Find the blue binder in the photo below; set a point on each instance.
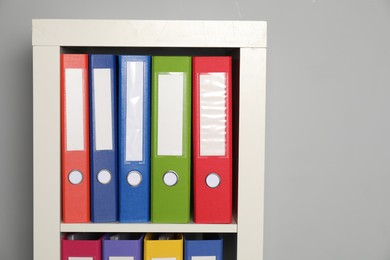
(134, 138)
(103, 107)
(203, 247)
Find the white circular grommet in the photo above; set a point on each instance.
(213, 180)
(170, 178)
(75, 177)
(134, 178)
(104, 176)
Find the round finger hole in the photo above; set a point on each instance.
(170, 178)
(213, 180)
(104, 176)
(75, 177)
(134, 178)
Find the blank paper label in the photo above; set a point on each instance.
(163, 258)
(80, 258)
(170, 114)
(103, 109)
(74, 109)
(134, 111)
(203, 258)
(121, 258)
(213, 114)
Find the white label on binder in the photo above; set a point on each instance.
(163, 258)
(74, 110)
(203, 258)
(212, 114)
(103, 109)
(134, 110)
(121, 258)
(170, 114)
(80, 258)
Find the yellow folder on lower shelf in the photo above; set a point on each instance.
(163, 246)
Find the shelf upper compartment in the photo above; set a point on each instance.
(149, 33)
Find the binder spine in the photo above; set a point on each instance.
(104, 180)
(134, 138)
(171, 168)
(75, 158)
(212, 135)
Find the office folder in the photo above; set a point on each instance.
(163, 246)
(103, 114)
(123, 246)
(81, 246)
(134, 138)
(171, 143)
(212, 139)
(203, 247)
(75, 138)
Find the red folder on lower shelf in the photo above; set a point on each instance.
(81, 246)
(75, 138)
(212, 139)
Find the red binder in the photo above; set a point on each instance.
(212, 139)
(81, 246)
(75, 138)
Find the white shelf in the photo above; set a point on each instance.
(248, 41)
(143, 33)
(150, 227)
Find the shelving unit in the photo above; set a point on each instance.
(244, 40)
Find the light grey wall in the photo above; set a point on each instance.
(328, 118)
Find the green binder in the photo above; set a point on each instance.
(171, 139)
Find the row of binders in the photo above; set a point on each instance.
(151, 246)
(140, 133)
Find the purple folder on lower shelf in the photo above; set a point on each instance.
(123, 246)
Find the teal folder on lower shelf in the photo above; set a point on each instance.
(203, 247)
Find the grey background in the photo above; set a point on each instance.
(328, 133)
